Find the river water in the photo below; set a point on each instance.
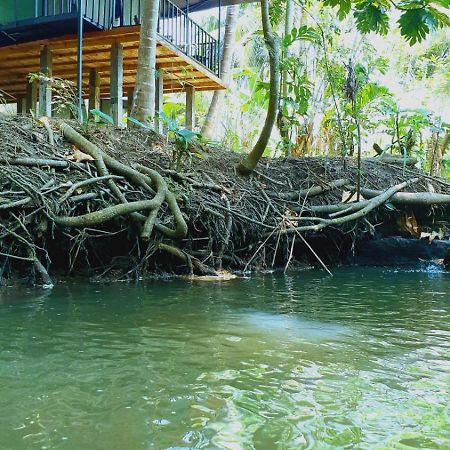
(359, 360)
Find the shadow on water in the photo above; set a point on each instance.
(358, 360)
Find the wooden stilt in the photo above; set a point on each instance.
(45, 86)
(31, 97)
(105, 105)
(21, 106)
(94, 89)
(190, 107)
(117, 83)
(159, 101)
(130, 96)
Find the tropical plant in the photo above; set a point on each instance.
(415, 22)
(183, 137)
(248, 164)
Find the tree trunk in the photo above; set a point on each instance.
(248, 164)
(437, 167)
(144, 94)
(225, 71)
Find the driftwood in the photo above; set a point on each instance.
(34, 162)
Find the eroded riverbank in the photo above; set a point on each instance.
(123, 204)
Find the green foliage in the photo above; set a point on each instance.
(303, 33)
(276, 11)
(343, 7)
(183, 138)
(139, 124)
(257, 92)
(416, 23)
(64, 95)
(417, 20)
(105, 118)
(371, 16)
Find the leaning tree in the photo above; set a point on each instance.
(415, 22)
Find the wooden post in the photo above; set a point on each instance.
(117, 83)
(159, 101)
(190, 107)
(130, 96)
(31, 97)
(45, 87)
(94, 89)
(105, 105)
(21, 106)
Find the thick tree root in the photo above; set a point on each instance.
(120, 211)
(363, 211)
(149, 179)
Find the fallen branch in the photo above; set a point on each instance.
(34, 162)
(85, 183)
(393, 159)
(412, 198)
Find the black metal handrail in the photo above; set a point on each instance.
(16, 12)
(174, 25)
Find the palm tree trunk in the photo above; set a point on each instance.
(225, 71)
(144, 94)
(247, 165)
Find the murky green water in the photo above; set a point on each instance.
(360, 360)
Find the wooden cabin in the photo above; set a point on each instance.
(42, 36)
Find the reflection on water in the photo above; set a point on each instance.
(360, 360)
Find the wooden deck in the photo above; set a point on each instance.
(180, 71)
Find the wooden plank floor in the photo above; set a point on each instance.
(17, 61)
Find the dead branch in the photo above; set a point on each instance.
(313, 190)
(412, 198)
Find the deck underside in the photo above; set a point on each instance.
(17, 61)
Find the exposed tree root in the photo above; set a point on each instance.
(363, 211)
(123, 211)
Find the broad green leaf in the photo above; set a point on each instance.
(138, 123)
(416, 23)
(344, 6)
(171, 122)
(371, 17)
(188, 135)
(101, 115)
